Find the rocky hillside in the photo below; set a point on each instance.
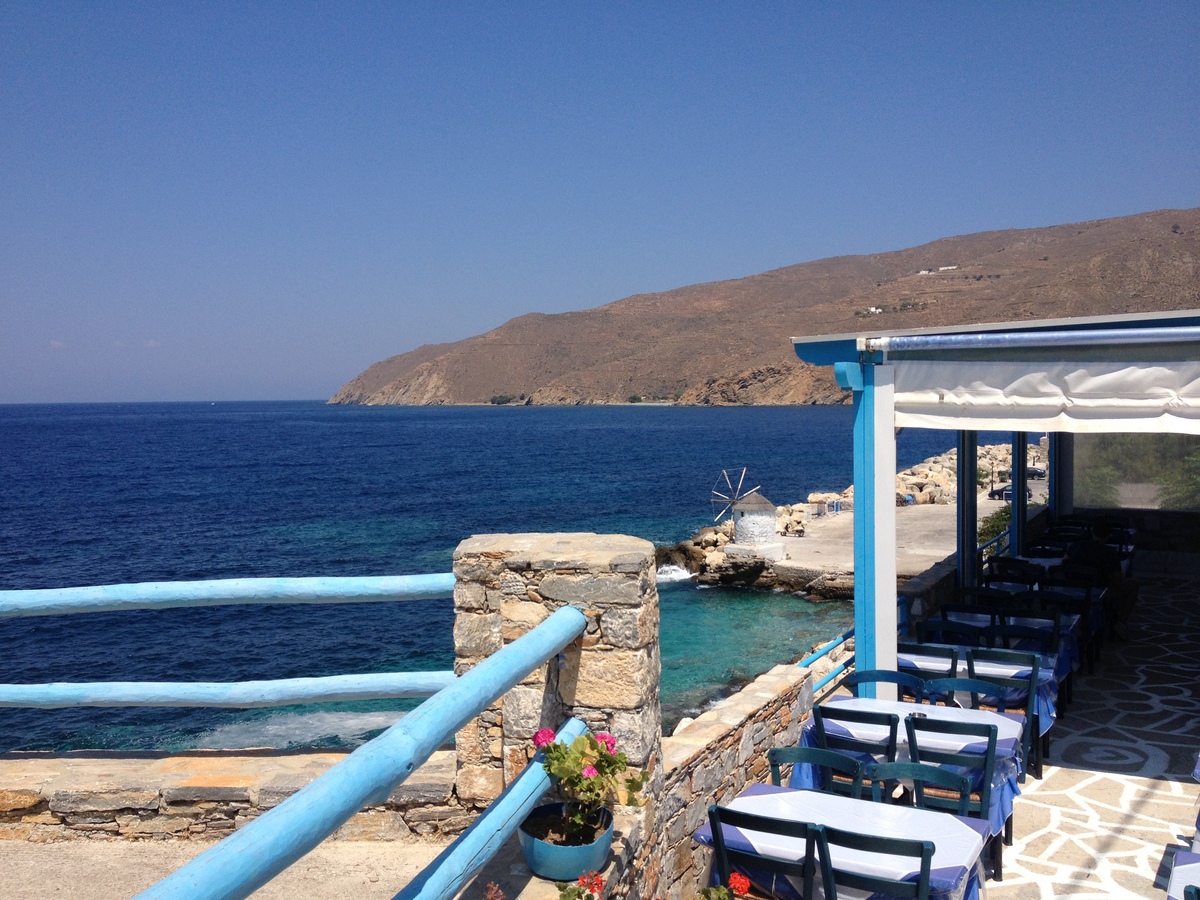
(727, 342)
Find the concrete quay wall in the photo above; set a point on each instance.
(200, 795)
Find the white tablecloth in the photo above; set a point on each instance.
(1185, 871)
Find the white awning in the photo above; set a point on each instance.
(1041, 396)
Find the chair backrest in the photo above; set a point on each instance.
(1022, 637)
(908, 685)
(1048, 548)
(1066, 604)
(826, 762)
(847, 732)
(979, 766)
(1085, 578)
(1018, 689)
(948, 611)
(884, 776)
(726, 856)
(835, 875)
(981, 691)
(1191, 892)
(1010, 570)
(980, 596)
(947, 652)
(941, 631)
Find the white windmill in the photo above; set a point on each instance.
(725, 495)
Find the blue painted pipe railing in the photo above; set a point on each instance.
(224, 592)
(239, 695)
(249, 858)
(902, 603)
(455, 865)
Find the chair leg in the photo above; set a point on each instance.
(997, 847)
(1008, 830)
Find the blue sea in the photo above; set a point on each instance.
(112, 493)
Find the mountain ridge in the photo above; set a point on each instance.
(728, 342)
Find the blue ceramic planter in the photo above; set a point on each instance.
(560, 863)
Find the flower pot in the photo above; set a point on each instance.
(559, 862)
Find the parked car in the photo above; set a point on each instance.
(1004, 492)
(1035, 472)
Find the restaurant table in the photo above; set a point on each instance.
(956, 872)
(1009, 729)
(1184, 871)
(1068, 657)
(1046, 703)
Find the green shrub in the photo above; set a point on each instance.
(502, 399)
(995, 524)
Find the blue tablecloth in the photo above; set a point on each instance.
(957, 869)
(1005, 777)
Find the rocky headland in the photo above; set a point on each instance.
(708, 556)
(727, 342)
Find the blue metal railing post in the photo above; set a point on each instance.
(251, 857)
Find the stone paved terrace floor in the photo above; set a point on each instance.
(1118, 798)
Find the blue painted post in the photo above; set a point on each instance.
(874, 512)
(455, 865)
(224, 592)
(238, 695)
(251, 857)
(1020, 504)
(968, 509)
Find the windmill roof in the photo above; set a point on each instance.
(755, 501)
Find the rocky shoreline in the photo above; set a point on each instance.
(707, 553)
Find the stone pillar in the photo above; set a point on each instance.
(506, 585)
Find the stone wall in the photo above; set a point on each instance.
(200, 795)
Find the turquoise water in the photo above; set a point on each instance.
(725, 637)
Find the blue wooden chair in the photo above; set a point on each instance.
(834, 878)
(1022, 637)
(866, 750)
(763, 870)
(984, 694)
(885, 776)
(1020, 696)
(980, 768)
(908, 685)
(943, 631)
(828, 765)
(1010, 570)
(947, 652)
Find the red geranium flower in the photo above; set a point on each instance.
(542, 737)
(593, 882)
(738, 883)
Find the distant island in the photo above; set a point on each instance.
(727, 342)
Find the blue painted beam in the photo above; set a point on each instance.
(224, 592)
(456, 865)
(249, 858)
(238, 695)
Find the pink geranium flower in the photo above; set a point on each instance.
(589, 772)
(543, 737)
(608, 741)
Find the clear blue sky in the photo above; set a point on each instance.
(207, 201)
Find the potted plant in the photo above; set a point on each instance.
(563, 840)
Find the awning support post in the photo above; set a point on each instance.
(874, 511)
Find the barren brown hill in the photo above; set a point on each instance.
(727, 342)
